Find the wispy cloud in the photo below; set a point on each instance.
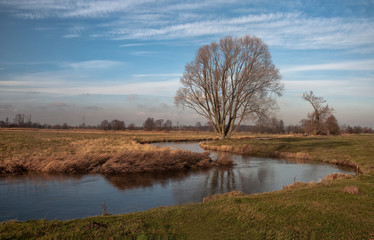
(94, 64)
(149, 19)
(38, 9)
(161, 88)
(75, 83)
(362, 65)
(74, 31)
(14, 83)
(143, 53)
(132, 45)
(347, 87)
(158, 75)
(290, 30)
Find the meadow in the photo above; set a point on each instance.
(338, 207)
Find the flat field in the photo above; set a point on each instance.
(339, 207)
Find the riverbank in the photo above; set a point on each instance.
(330, 209)
(354, 151)
(83, 152)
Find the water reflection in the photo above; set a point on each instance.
(65, 197)
(144, 180)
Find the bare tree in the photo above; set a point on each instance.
(104, 125)
(158, 124)
(149, 124)
(132, 126)
(117, 125)
(320, 113)
(168, 124)
(198, 126)
(332, 125)
(230, 81)
(19, 120)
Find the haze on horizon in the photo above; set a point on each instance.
(64, 60)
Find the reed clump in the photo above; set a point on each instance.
(107, 156)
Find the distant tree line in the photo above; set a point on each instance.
(113, 125)
(159, 124)
(328, 126)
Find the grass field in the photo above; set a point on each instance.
(331, 209)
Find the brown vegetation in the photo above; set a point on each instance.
(106, 156)
(352, 190)
(219, 196)
(336, 176)
(295, 185)
(326, 181)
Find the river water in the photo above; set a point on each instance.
(66, 197)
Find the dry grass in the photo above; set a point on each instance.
(336, 176)
(123, 162)
(352, 190)
(224, 195)
(295, 185)
(96, 153)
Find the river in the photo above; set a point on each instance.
(66, 197)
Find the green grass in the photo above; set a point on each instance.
(306, 211)
(351, 149)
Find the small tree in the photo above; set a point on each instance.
(168, 125)
(158, 124)
(229, 82)
(19, 120)
(320, 113)
(149, 124)
(117, 125)
(332, 125)
(198, 126)
(132, 126)
(307, 125)
(104, 125)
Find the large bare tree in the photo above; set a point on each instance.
(230, 81)
(320, 113)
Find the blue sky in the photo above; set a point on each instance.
(64, 59)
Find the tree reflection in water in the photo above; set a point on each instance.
(144, 180)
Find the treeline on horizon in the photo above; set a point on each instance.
(270, 126)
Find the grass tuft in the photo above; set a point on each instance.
(351, 190)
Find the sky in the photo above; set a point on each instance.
(69, 61)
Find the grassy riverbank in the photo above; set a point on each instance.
(331, 209)
(350, 150)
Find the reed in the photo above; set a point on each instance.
(106, 156)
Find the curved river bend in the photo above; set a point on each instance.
(67, 197)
